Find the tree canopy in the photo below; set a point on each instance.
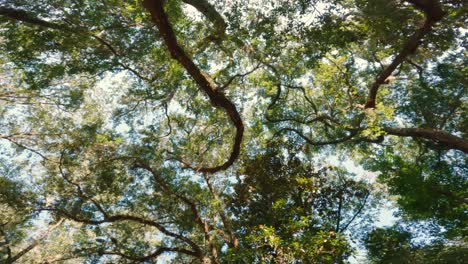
(233, 131)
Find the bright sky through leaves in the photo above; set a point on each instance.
(212, 131)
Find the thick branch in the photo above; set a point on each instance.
(448, 140)
(212, 15)
(431, 8)
(437, 135)
(24, 16)
(217, 98)
(433, 12)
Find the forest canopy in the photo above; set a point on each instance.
(233, 131)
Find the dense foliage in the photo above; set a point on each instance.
(240, 131)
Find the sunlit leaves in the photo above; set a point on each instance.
(113, 131)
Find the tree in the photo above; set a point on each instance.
(288, 212)
(191, 131)
(394, 245)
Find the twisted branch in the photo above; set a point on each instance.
(434, 13)
(216, 97)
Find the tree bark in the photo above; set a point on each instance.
(437, 135)
(212, 15)
(20, 15)
(216, 97)
(433, 12)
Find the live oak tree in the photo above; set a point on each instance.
(193, 131)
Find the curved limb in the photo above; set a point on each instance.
(216, 97)
(433, 12)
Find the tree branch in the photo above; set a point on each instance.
(213, 16)
(204, 226)
(153, 255)
(233, 240)
(352, 134)
(239, 75)
(122, 217)
(356, 214)
(34, 243)
(216, 97)
(437, 135)
(433, 12)
(23, 16)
